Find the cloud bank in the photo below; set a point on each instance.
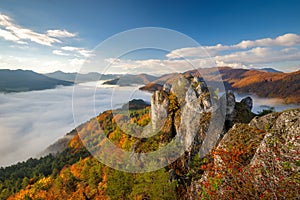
(60, 33)
(31, 121)
(286, 40)
(81, 51)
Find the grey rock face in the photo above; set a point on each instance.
(167, 87)
(227, 103)
(288, 122)
(237, 112)
(248, 102)
(280, 146)
(264, 122)
(230, 99)
(179, 88)
(193, 98)
(230, 102)
(194, 101)
(159, 109)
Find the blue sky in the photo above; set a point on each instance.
(45, 36)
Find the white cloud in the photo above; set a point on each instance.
(289, 50)
(41, 65)
(18, 33)
(4, 20)
(22, 42)
(179, 60)
(81, 51)
(13, 32)
(76, 62)
(202, 51)
(156, 66)
(112, 60)
(60, 33)
(8, 35)
(249, 58)
(68, 48)
(247, 52)
(259, 55)
(59, 52)
(288, 39)
(27, 34)
(233, 64)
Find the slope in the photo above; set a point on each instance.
(25, 80)
(78, 77)
(129, 79)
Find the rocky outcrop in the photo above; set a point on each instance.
(184, 100)
(159, 109)
(187, 101)
(198, 119)
(238, 112)
(248, 103)
(268, 149)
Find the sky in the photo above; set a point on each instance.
(46, 36)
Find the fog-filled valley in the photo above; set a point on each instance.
(31, 121)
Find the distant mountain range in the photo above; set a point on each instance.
(129, 79)
(285, 86)
(25, 80)
(79, 78)
(266, 82)
(268, 70)
(275, 84)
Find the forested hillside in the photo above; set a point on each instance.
(284, 86)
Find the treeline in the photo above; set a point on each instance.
(17, 177)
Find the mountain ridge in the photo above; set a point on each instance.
(27, 80)
(79, 77)
(284, 86)
(267, 69)
(129, 79)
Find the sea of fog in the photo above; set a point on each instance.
(31, 121)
